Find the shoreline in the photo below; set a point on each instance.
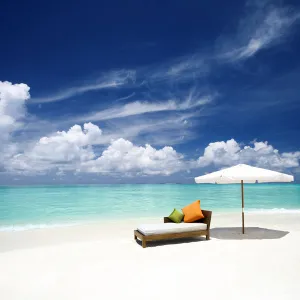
(20, 227)
(108, 229)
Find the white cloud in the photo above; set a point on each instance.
(63, 149)
(184, 68)
(73, 151)
(12, 113)
(220, 153)
(12, 104)
(139, 108)
(195, 99)
(124, 157)
(130, 109)
(110, 80)
(261, 154)
(125, 97)
(266, 26)
(90, 134)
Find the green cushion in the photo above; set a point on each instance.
(176, 216)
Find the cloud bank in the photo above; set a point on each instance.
(76, 151)
(73, 151)
(261, 154)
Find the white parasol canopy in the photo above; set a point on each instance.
(244, 174)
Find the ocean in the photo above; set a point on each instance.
(30, 207)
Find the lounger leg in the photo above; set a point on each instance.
(207, 236)
(135, 237)
(143, 243)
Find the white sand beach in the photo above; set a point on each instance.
(103, 261)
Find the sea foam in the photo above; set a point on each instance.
(272, 211)
(35, 226)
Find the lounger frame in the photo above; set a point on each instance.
(167, 236)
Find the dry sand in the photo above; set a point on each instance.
(103, 261)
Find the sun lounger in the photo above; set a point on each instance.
(170, 230)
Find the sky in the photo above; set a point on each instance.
(147, 91)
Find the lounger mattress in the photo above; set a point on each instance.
(150, 229)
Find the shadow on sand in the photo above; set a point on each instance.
(173, 242)
(226, 233)
(251, 233)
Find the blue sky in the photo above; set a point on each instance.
(147, 91)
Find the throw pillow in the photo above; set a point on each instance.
(176, 216)
(192, 212)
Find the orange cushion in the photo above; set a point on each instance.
(192, 212)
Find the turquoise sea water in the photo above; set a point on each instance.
(41, 206)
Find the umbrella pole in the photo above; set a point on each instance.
(243, 217)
